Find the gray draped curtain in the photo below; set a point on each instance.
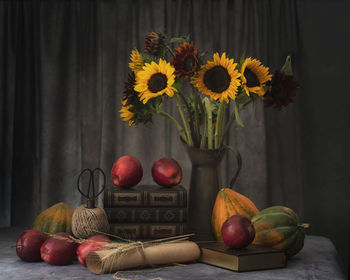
(63, 65)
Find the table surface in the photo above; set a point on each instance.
(317, 260)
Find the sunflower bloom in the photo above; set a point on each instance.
(254, 76)
(218, 78)
(154, 43)
(282, 89)
(136, 63)
(125, 114)
(155, 80)
(185, 60)
(130, 95)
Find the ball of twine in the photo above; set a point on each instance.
(85, 221)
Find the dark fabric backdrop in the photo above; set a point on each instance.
(62, 70)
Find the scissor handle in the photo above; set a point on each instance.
(91, 187)
(104, 181)
(78, 183)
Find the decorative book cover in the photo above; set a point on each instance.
(146, 215)
(145, 231)
(145, 196)
(252, 257)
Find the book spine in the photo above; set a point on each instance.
(146, 215)
(145, 199)
(144, 231)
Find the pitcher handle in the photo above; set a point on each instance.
(238, 157)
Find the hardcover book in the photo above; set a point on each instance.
(145, 196)
(145, 231)
(252, 257)
(146, 215)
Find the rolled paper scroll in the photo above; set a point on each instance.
(112, 260)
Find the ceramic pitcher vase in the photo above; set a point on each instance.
(204, 186)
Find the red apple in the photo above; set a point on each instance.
(28, 245)
(166, 172)
(58, 249)
(237, 232)
(92, 244)
(126, 172)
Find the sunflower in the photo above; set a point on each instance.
(155, 80)
(136, 61)
(254, 75)
(125, 114)
(218, 78)
(185, 60)
(282, 89)
(130, 95)
(154, 43)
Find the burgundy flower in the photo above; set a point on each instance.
(282, 89)
(185, 60)
(130, 95)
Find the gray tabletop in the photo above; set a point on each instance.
(317, 260)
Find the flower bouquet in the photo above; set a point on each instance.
(214, 83)
(210, 85)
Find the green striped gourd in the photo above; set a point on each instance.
(278, 227)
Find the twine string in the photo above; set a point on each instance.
(85, 221)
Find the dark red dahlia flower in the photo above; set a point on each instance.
(185, 60)
(282, 89)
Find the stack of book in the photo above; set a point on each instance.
(146, 212)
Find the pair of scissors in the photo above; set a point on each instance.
(91, 194)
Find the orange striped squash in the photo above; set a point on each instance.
(57, 218)
(229, 203)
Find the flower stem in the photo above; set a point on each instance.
(230, 121)
(204, 118)
(170, 50)
(188, 108)
(196, 115)
(210, 123)
(183, 117)
(219, 124)
(175, 122)
(227, 126)
(204, 135)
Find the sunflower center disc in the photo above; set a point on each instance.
(252, 79)
(189, 62)
(217, 79)
(157, 82)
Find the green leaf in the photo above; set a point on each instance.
(177, 84)
(146, 59)
(158, 104)
(238, 118)
(242, 98)
(241, 60)
(177, 40)
(287, 67)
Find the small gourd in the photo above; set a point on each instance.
(57, 218)
(88, 219)
(229, 202)
(279, 227)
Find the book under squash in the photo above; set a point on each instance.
(250, 258)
